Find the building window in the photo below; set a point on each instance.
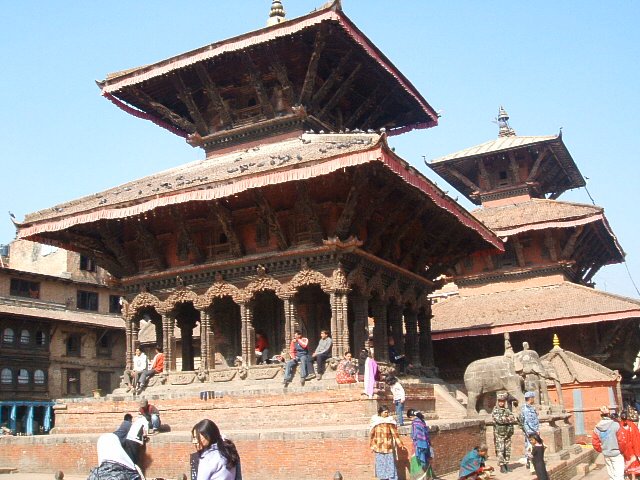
(73, 345)
(25, 336)
(103, 347)
(41, 338)
(104, 382)
(38, 377)
(73, 382)
(8, 335)
(114, 304)
(23, 376)
(24, 288)
(6, 377)
(87, 300)
(87, 264)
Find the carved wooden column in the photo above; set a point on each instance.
(339, 325)
(412, 341)
(129, 339)
(333, 300)
(394, 313)
(360, 308)
(169, 342)
(290, 319)
(248, 333)
(380, 342)
(206, 350)
(426, 344)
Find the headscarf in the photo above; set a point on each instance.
(378, 420)
(110, 449)
(471, 463)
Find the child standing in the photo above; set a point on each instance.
(398, 398)
(537, 456)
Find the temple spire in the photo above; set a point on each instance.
(503, 124)
(277, 13)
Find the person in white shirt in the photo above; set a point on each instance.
(140, 363)
(138, 434)
(398, 398)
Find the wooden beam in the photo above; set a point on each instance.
(519, 250)
(368, 123)
(463, 178)
(483, 174)
(94, 248)
(282, 75)
(335, 76)
(163, 111)
(256, 83)
(185, 95)
(513, 165)
(551, 246)
(343, 225)
(214, 96)
(363, 107)
(115, 243)
(404, 229)
(184, 234)
(149, 244)
(225, 217)
(390, 218)
(271, 218)
(346, 85)
(536, 165)
(570, 245)
(375, 201)
(306, 206)
(312, 68)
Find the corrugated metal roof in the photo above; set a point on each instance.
(497, 145)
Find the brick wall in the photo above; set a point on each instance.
(276, 455)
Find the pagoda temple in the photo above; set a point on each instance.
(542, 283)
(299, 215)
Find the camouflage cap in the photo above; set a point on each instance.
(502, 397)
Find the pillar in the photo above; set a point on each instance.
(206, 351)
(412, 341)
(248, 342)
(394, 313)
(168, 343)
(339, 324)
(290, 320)
(129, 343)
(380, 342)
(360, 309)
(426, 344)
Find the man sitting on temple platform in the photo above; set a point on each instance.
(394, 357)
(140, 364)
(323, 352)
(262, 348)
(157, 366)
(299, 352)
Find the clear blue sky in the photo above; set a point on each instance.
(572, 64)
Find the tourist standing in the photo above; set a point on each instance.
(630, 445)
(157, 366)
(383, 440)
(472, 466)
(113, 461)
(605, 439)
(299, 352)
(140, 364)
(399, 397)
(216, 457)
(322, 352)
(503, 422)
(136, 438)
(421, 443)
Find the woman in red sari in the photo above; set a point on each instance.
(630, 445)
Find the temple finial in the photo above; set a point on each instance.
(277, 13)
(556, 341)
(503, 124)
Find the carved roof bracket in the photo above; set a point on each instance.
(186, 97)
(225, 217)
(270, 217)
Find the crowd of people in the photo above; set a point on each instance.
(618, 439)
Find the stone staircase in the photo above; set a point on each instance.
(451, 401)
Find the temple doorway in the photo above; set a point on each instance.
(314, 313)
(149, 323)
(268, 319)
(226, 325)
(187, 319)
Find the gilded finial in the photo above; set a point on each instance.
(503, 124)
(556, 341)
(277, 13)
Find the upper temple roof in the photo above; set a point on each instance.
(319, 68)
(501, 144)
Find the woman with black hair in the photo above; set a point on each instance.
(216, 457)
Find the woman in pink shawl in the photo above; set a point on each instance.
(370, 374)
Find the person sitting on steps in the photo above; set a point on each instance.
(323, 352)
(299, 352)
(157, 366)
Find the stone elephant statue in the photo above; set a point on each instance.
(492, 374)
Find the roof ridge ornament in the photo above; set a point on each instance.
(503, 124)
(277, 13)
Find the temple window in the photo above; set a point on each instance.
(24, 288)
(103, 346)
(38, 377)
(8, 335)
(6, 377)
(87, 264)
(508, 258)
(73, 381)
(41, 338)
(114, 304)
(74, 345)
(25, 337)
(87, 301)
(23, 376)
(104, 381)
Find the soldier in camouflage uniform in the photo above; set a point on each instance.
(503, 422)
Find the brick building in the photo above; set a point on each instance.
(61, 333)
